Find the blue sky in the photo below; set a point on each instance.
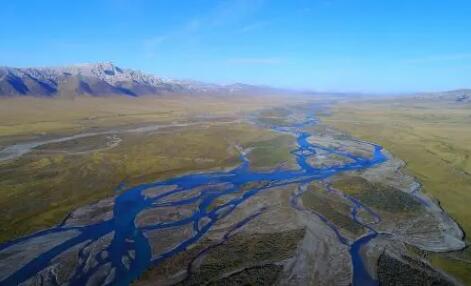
(341, 45)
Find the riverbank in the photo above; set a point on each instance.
(60, 154)
(432, 137)
(200, 226)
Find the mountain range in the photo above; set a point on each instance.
(105, 79)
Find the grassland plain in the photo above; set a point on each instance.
(433, 138)
(40, 188)
(26, 118)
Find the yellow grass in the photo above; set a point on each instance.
(434, 139)
(39, 189)
(22, 118)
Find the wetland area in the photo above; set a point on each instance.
(235, 142)
(269, 196)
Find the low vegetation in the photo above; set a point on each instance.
(39, 189)
(244, 251)
(433, 137)
(271, 153)
(32, 118)
(171, 266)
(332, 208)
(378, 196)
(250, 256)
(274, 117)
(256, 276)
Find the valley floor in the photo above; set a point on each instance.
(214, 191)
(433, 138)
(117, 141)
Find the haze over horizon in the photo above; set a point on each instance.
(367, 45)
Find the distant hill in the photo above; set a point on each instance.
(457, 96)
(460, 95)
(106, 79)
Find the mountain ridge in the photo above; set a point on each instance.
(107, 79)
(104, 79)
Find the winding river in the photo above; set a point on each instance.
(129, 202)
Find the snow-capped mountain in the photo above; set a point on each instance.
(100, 79)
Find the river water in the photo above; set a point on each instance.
(131, 201)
